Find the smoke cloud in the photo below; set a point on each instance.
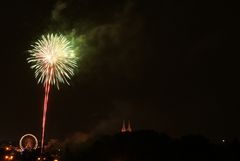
(59, 7)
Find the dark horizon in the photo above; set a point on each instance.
(144, 145)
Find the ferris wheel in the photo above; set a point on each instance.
(28, 142)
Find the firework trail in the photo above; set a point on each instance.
(53, 59)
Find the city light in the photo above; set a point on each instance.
(8, 157)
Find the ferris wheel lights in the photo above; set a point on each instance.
(33, 138)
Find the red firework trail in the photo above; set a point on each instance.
(45, 106)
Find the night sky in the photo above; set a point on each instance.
(166, 65)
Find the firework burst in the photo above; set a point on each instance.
(53, 59)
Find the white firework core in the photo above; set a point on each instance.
(53, 58)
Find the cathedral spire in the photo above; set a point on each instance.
(123, 127)
(129, 129)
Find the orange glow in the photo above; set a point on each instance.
(7, 148)
(8, 157)
(55, 160)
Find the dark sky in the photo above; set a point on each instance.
(166, 65)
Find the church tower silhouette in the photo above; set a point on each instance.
(128, 129)
(123, 127)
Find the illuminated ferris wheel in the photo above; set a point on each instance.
(28, 142)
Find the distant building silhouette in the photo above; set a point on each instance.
(123, 127)
(128, 129)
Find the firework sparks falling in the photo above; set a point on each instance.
(53, 59)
